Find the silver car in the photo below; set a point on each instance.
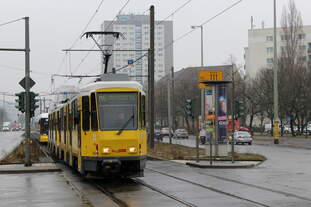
(243, 137)
(181, 133)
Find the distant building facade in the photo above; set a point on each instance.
(259, 53)
(136, 32)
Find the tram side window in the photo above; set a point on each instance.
(85, 113)
(76, 115)
(94, 113)
(143, 111)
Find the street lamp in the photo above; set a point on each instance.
(201, 27)
(202, 90)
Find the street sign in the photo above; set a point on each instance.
(130, 62)
(210, 75)
(23, 83)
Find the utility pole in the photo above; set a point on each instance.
(44, 109)
(102, 55)
(27, 89)
(275, 81)
(151, 78)
(169, 85)
(40, 104)
(173, 99)
(232, 115)
(3, 107)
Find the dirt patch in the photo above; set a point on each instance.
(173, 151)
(18, 155)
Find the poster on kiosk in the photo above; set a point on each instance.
(221, 114)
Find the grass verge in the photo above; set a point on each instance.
(179, 152)
(18, 155)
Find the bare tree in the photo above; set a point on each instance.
(293, 87)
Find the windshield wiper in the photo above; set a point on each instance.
(125, 124)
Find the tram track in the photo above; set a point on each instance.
(209, 188)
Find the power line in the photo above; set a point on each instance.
(175, 11)
(205, 22)
(77, 39)
(12, 21)
(113, 20)
(88, 24)
(125, 66)
(23, 70)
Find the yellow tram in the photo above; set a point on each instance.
(42, 126)
(102, 130)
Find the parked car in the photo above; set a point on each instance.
(243, 137)
(181, 133)
(165, 132)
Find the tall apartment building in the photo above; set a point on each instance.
(259, 53)
(136, 34)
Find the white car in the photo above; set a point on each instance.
(181, 133)
(242, 137)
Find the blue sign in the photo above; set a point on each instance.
(130, 62)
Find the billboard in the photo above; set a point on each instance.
(221, 115)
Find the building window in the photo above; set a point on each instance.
(269, 60)
(269, 50)
(309, 45)
(269, 38)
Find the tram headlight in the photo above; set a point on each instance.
(132, 149)
(106, 150)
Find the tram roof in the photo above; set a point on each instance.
(91, 87)
(109, 84)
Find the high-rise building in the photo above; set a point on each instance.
(259, 53)
(135, 31)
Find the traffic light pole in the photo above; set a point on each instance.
(27, 99)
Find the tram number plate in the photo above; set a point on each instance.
(210, 75)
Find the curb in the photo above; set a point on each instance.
(19, 169)
(221, 166)
(29, 171)
(152, 158)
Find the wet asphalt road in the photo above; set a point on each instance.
(282, 180)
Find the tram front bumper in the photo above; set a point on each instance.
(113, 164)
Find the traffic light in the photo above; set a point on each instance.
(33, 102)
(20, 101)
(188, 107)
(239, 109)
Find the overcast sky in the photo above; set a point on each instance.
(55, 25)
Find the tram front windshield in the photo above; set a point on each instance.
(44, 126)
(117, 111)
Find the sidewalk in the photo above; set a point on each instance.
(37, 190)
